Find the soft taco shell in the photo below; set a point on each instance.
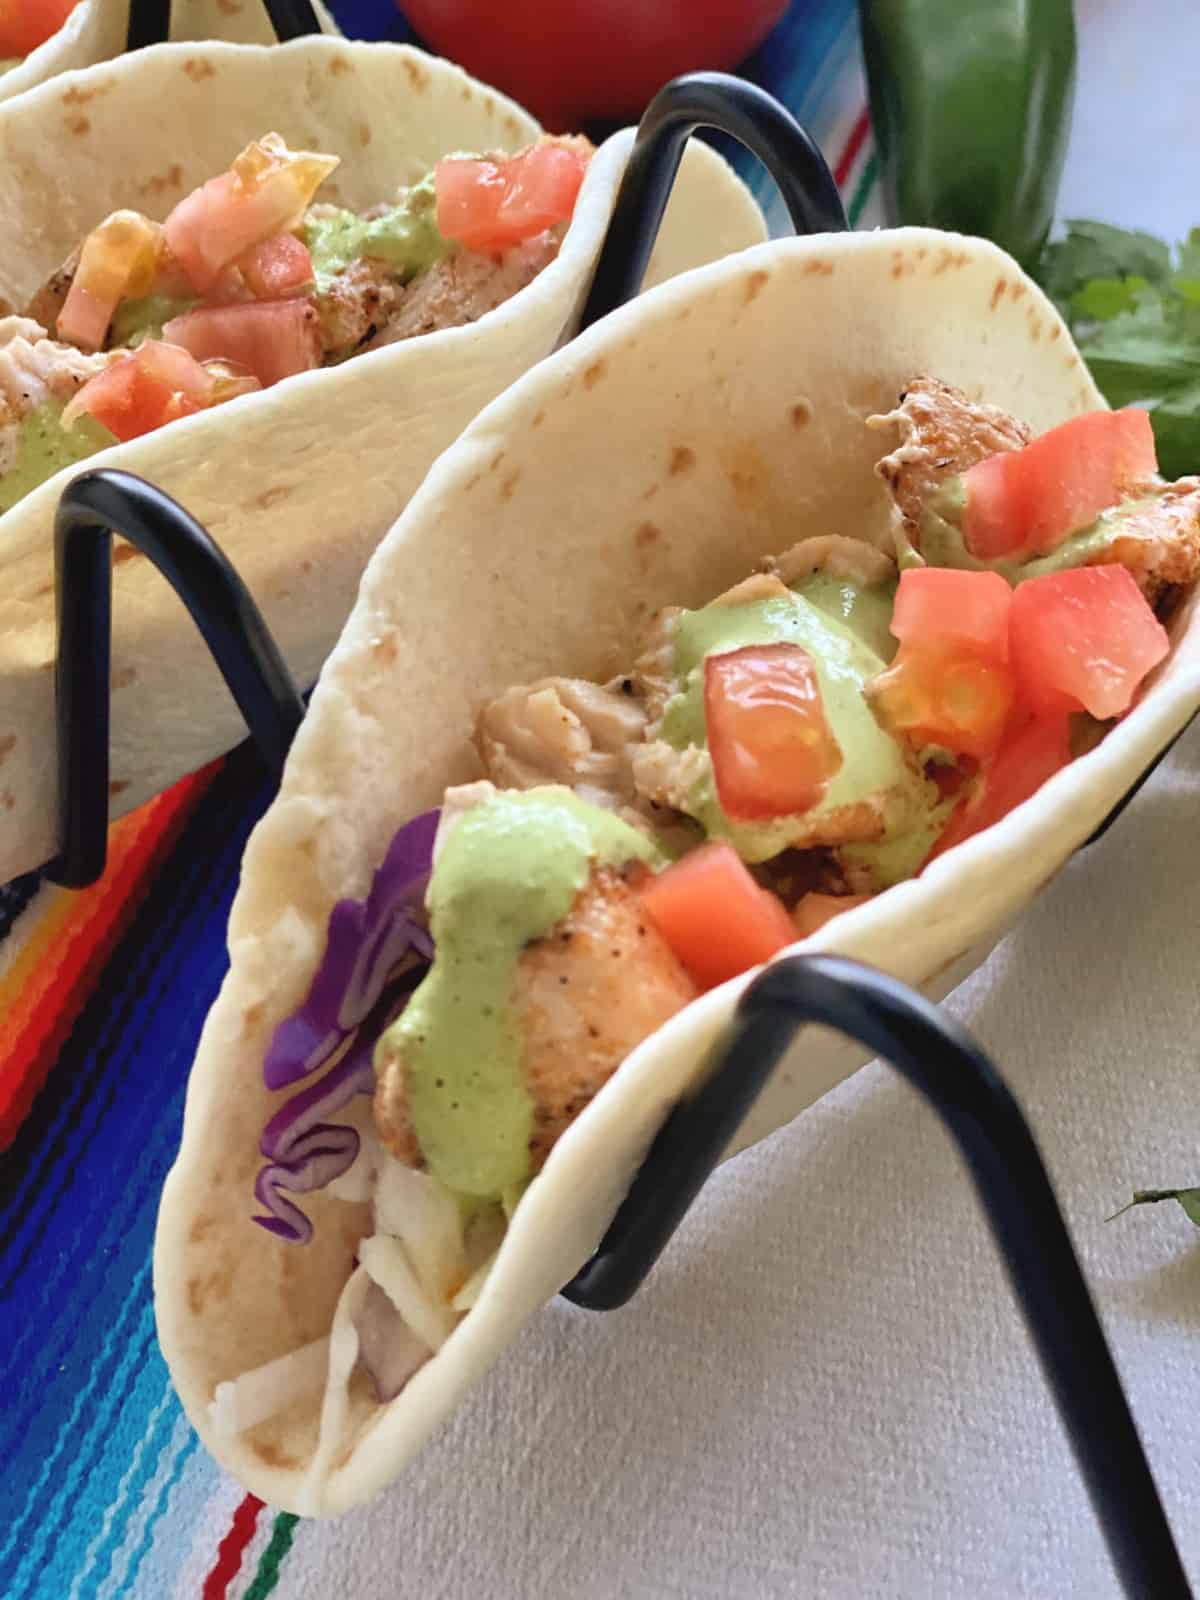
(298, 483)
(96, 30)
(650, 462)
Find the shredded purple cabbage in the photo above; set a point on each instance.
(355, 994)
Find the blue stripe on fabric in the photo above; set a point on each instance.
(124, 1069)
(186, 1450)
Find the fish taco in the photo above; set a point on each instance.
(279, 310)
(40, 38)
(813, 600)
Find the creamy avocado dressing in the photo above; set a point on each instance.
(405, 236)
(507, 871)
(44, 446)
(135, 320)
(874, 768)
(867, 612)
(943, 545)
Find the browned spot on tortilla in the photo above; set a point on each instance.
(229, 8)
(801, 414)
(538, 420)
(40, 594)
(1054, 332)
(1017, 290)
(898, 267)
(198, 70)
(272, 1456)
(754, 285)
(594, 373)
(646, 534)
(496, 460)
(214, 1285)
(948, 259)
(270, 497)
(998, 292)
(922, 252)
(80, 97)
(1035, 327)
(200, 1229)
(123, 677)
(7, 800)
(339, 66)
(7, 745)
(650, 492)
(252, 1016)
(466, 92)
(417, 74)
(682, 460)
(511, 124)
(364, 134)
(509, 484)
(170, 179)
(125, 552)
(385, 649)
(119, 787)
(472, 481)
(819, 267)
(78, 126)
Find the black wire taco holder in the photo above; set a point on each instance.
(936, 1056)
(150, 21)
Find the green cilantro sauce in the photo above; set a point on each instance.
(506, 873)
(874, 767)
(44, 446)
(867, 612)
(942, 543)
(135, 320)
(405, 236)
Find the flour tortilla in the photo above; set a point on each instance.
(300, 482)
(652, 461)
(97, 29)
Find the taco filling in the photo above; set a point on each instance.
(769, 760)
(251, 280)
(25, 26)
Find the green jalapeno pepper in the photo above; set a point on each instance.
(971, 107)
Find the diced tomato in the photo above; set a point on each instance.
(130, 397)
(491, 205)
(1031, 754)
(272, 339)
(1084, 639)
(960, 702)
(116, 262)
(716, 919)
(772, 750)
(26, 24)
(1031, 499)
(278, 267)
(940, 608)
(814, 910)
(266, 191)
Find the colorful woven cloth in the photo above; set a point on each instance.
(105, 1490)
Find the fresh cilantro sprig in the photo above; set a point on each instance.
(1189, 1199)
(1133, 306)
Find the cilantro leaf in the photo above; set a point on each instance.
(1189, 1199)
(1133, 307)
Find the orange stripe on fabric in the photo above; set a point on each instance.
(62, 953)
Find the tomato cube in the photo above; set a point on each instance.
(940, 608)
(272, 339)
(1033, 752)
(959, 702)
(1082, 640)
(279, 266)
(772, 750)
(717, 920)
(1030, 500)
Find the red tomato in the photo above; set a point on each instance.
(130, 398)
(25, 24)
(1030, 755)
(491, 205)
(1031, 499)
(772, 750)
(1084, 639)
(272, 339)
(279, 266)
(577, 60)
(938, 608)
(961, 702)
(714, 916)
